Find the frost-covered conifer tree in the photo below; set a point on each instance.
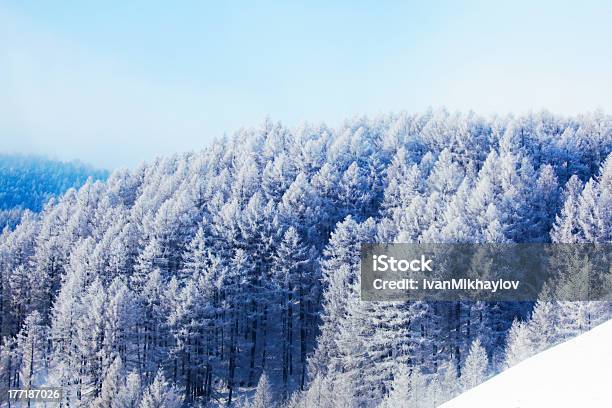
(519, 345)
(160, 394)
(110, 386)
(565, 229)
(32, 348)
(130, 392)
(476, 365)
(543, 327)
(263, 397)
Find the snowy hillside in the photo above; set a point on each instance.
(572, 374)
(191, 277)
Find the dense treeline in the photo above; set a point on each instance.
(202, 279)
(10, 218)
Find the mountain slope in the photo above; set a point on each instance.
(571, 374)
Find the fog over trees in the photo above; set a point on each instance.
(230, 277)
(27, 183)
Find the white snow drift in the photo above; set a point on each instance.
(571, 374)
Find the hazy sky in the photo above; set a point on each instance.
(116, 83)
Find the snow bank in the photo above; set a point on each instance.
(572, 374)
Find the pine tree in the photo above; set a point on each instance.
(263, 394)
(129, 394)
(160, 394)
(566, 229)
(542, 328)
(546, 200)
(110, 386)
(339, 275)
(446, 175)
(320, 393)
(89, 338)
(121, 317)
(590, 218)
(8, 365)
(474, 371)
(519, 345)
(152, 258)
(196, 258)
(447, 377)
(67, 311)
(290, 259)
(32, 348)
(399, 396)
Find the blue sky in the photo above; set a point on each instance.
(114, 84)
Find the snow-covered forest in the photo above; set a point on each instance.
(28, 182)
(230, 276)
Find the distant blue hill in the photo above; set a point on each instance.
(28, 182)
